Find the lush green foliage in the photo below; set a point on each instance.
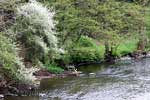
(33, 32)
(86, 50)
(84, 28)
(85, 55)
(110, 21)
(9, 61)
(142, 2)
(126, 48)
(86, 42)
(54, 68)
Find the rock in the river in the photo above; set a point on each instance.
(42, 95)
(1, 96)
(92, 74)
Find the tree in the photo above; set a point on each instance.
(111, 21)
(72, 21)
(118, 21)
(142, 2)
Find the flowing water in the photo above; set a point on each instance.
(125, 80)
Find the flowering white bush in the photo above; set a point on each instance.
(35, 26)
(39, 18)
(34, 30)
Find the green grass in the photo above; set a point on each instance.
(101, 49)
(89, 43)
(87, 50)
(54, 68)
(126, 47)
(123, 49)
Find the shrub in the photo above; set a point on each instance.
(85, 50)
(126, 47)
(66, 59)
(85, 41)
(83, 54)
(8, 4)
(9, 61)
(34, 29)
(53, 68)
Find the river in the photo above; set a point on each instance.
(125, 80)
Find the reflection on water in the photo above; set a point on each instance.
(125, 80)
(22, 98)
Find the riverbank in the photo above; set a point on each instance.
(111, 81)
(18, 89)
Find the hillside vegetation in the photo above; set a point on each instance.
(52, 34)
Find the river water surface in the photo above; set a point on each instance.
(125, 80)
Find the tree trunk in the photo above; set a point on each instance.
(141, 45)
(108, 53)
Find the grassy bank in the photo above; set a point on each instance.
(88, 50)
